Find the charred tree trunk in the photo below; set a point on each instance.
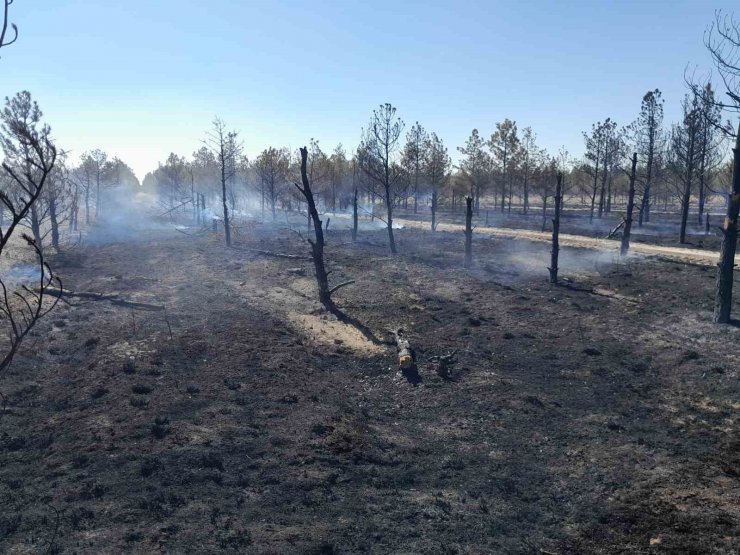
(227, 228)
(354, 216)
(556, 231)
(595, 188)
(434, 210)
(389, 209)
(685, 202)
(54, 222)
(624, 249)
(317, 244)
(468, 262)
(602, 192)
(723, 298)
(544, 213)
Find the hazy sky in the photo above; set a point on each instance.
(142, 78)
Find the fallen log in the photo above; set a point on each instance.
(614, 231)
(274, 254)
(406, 356)
(111, 298)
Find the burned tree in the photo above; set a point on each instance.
(436, 169)
(725, 270)
(648, 135)
(595, 149)
(723, 42)
(379, 147)
(226, 149)
(475, 165)
(354, 200)
(414, 154)
(722, 39)
(272, 167)
(553, 269)
(685, 155)
(95, 163)
(30, 156)
(317, 254)
(504, 145)
(625, 246)
(468, 262)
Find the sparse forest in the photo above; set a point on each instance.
(400, 345)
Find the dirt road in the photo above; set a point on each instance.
(693, 256)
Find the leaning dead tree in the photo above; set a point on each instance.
(30, 156)
(553, 269)
(625, 247)
(318, 243)
(317, 254)
(725, 269)
(468, 262)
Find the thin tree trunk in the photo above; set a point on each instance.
(468, 262)
(624, 249)
(354, 216)
(544, 213)
(54, 221)
(723, 297)
(556, 231)
(227, 227)
(434, 209)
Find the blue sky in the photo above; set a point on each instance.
(142, 78)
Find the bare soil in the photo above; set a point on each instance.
(598, 416)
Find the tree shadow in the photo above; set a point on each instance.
(412, 375)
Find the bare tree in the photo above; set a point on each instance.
(722, 39)
(317, 254)
(379, 146)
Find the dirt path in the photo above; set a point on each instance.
(694, 256)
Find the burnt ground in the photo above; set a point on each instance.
(597, 417)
